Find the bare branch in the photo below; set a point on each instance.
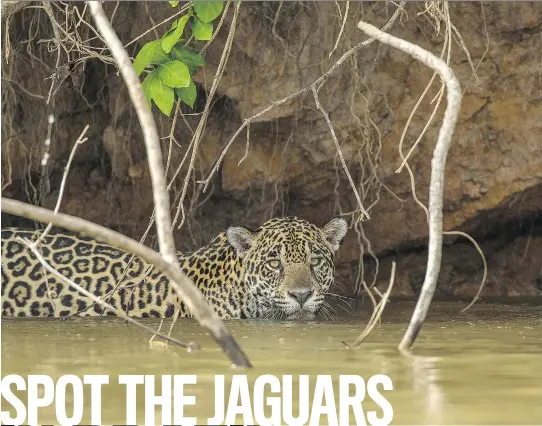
(484, 261)
(56, 77)
(438, 164)
(193, 299)
(186, 290)
(169, 18)
(347, 7)
(215, 33)
(148, 126)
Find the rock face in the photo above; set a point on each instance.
(290, 163)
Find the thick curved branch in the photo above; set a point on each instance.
(187, 291)
(179, 281)
(438, 164)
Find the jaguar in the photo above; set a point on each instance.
(282, 270)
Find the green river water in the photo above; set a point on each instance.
(480, 367)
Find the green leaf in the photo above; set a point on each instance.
(188, 94)
(146, 85)
(174, 74)
(150, 53)
(202, 30)
(193, 60)
(207, 11)
(162, 95)
(174, 3)
(174, 34)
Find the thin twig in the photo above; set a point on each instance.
(346, 8)
(190, 346)
(151, 340)
(183, 286)
(80, 140)
(55, 77)
(377, 313)
(438, 164)
(317, 84)
(217, 30)
(481, 253)
(180, 12)
(247, 145)
(339, 151)
(175, 317)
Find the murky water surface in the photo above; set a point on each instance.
(481, 367)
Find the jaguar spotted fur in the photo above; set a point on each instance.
(281, 270)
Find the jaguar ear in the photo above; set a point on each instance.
(241, 239)
(334, 232)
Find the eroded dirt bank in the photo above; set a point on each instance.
(494, 172)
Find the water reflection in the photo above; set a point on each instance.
(425, 376)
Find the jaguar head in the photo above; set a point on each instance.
(288, 265)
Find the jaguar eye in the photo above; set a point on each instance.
(316, 261)
(274, 264)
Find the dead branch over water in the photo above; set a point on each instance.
(438, 164)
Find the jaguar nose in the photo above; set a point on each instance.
(301, 295)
